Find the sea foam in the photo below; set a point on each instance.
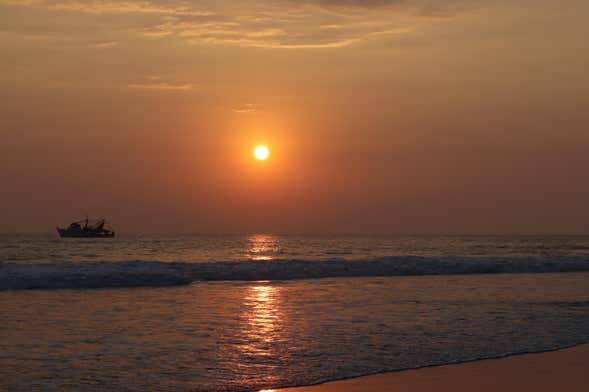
(153, 273)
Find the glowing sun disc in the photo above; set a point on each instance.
(261, 153)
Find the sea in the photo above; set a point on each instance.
(258, 312)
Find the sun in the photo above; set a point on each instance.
(261, 153)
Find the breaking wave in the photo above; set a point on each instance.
(154, 274)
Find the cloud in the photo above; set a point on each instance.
(155, 83)
(358, 3)
(106, 45)
(299, 27)
(285, 24)
(246, 108)
(111, 7)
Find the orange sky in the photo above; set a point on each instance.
(383, 116)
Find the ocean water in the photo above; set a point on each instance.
(199, 249)
(249, 313)
(47, 262)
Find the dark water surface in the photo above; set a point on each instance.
(194, 249)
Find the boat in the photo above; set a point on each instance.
(86, 229)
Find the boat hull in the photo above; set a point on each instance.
(63, 233)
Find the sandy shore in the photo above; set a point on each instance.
(563, 370)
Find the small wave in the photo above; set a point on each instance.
(564, 304)
(153, 273)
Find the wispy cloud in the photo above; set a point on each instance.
(112, 7)
(245, 108)
(154, 83)
(286, 24)
(106, 45)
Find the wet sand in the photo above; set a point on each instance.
(562, 370)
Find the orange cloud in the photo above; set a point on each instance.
(160, 86)
(279, 24)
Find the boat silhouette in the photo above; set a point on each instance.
(86, 229)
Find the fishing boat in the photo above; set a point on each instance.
(87, 229)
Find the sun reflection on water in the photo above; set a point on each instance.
(263, 327)
(263, 344)
(262, 319)
(262, 246)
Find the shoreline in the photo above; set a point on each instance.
(566, 368)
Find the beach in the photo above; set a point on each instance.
(564, 370)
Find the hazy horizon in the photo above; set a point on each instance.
(156, 234)
(382, 117)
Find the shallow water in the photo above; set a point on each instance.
(235, 336)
